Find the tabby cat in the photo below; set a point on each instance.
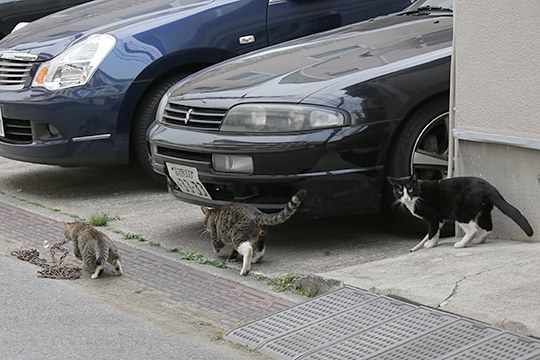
(244, 227)
(93, 247)
(467, 200)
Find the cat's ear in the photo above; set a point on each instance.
(414, 177)
(205, 210)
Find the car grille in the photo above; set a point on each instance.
(197, 118)
(18, 131)
(15, 69)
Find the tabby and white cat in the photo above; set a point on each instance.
(93, 247)
(244, 227)
(466, 200)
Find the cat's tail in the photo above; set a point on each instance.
(496, 199)
(102, 252)
(286, 213)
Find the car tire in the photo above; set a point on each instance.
(420, 146)
(145, 115)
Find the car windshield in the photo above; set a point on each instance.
(431, 5)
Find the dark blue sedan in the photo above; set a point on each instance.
(82, 86)
(14, 12)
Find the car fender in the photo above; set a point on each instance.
(189, 60)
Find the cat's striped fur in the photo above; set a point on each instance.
(93, 247)
(244, 227)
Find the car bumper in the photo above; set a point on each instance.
(340, 168)
(74, 127)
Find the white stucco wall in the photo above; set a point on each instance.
(497, 96)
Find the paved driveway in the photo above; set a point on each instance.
(303, 246)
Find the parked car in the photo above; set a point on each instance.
(13, 12)
(81, 87)
(333, 113)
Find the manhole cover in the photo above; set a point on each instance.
(353, 324)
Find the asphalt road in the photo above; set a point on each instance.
(61, 319)
(142, 207)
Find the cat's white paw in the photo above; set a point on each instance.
(256, 260)
(98, 272)
(244, 273)
(257, 257)
(460, 245)
(481, 237)
(118, 267)
(430, 243)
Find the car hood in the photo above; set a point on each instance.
(292, 71)
(50, 35)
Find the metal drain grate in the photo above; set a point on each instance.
(354, 324)
(257, 333)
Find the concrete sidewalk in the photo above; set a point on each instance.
(496, 282)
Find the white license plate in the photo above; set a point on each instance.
(2, 134)
(187, 179)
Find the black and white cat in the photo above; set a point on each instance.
(466, 200)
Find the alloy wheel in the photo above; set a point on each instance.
(429, 158)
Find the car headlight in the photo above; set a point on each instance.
(76, 65)
(280, 118)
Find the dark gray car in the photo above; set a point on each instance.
(333, 113)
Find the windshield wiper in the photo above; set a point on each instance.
(426, 10)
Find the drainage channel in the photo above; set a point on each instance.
(350, 323)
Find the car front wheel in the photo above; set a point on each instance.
(421, 145)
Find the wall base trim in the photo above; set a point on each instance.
(496, 139)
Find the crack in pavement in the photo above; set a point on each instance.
(454, 290)
(456, 285)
